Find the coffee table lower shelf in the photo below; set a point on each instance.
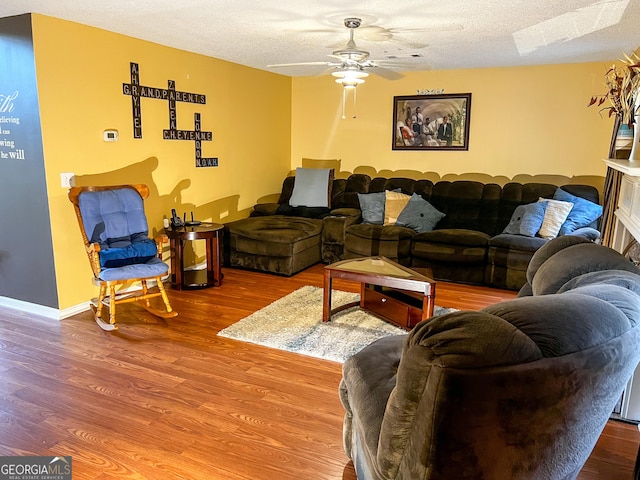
(403, 309)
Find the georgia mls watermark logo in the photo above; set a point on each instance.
(35, 468)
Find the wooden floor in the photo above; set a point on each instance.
(171, 400)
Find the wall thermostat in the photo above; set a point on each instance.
(110, 135)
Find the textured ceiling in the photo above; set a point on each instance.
(421, 34)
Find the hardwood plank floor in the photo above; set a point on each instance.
(168, 399)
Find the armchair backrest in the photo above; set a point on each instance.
(523, 388)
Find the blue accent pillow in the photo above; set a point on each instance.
(526, 219)
(372, 206)
(419, 215)
(583, 213)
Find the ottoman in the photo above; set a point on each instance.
(277, 244)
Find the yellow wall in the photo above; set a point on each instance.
(80, 72)
(525, 122)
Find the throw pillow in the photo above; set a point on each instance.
(526, 219)
(372, 207)
(394, 203)
(419, 215)
(583, 213)
(554, 216)
(312, 187)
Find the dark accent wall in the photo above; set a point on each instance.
(27, 269)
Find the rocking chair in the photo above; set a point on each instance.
(115, 234)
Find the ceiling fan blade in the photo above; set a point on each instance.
(297, 64)
(399, 65)
(385, 72)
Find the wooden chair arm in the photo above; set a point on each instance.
(160, 240)
(93, 252)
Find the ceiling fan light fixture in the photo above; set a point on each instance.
(350, 78)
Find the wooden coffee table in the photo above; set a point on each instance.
(391, 291)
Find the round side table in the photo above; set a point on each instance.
(211, 233)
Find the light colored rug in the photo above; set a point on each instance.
(294, 323)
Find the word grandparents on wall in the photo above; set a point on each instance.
(170, 95)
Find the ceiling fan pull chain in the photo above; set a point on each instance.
(354, 102)
(344, 100)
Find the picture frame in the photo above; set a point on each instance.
(429, 133)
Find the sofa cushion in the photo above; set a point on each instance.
(453, 246)
(312, 187)
(419, 215)
(462, 237)
(583, 214)
(306, 212)
(380, 232)
(365, 240)
(468, 205)
(517, 242)
(527, 219)
(554, 216)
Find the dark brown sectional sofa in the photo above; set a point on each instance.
(466, 246)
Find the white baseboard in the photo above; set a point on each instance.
(33, 308)
(55, 313)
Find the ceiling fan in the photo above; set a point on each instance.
(350, 62)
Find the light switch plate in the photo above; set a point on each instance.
(67, 179)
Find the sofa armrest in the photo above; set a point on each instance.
(263, 209)
(334, 229)
(588, 233)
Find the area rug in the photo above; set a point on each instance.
(294, 323)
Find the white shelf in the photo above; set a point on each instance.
(630, 167)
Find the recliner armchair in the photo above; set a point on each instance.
(519, 390)
(115, 234)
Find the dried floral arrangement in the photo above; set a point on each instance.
(623, 89)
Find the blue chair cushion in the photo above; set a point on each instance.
(113, 216)
(139, 251)
(152, 268)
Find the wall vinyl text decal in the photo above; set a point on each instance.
(171, 96)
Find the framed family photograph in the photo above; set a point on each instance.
(431, 122)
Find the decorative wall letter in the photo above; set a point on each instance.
(171, 96)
